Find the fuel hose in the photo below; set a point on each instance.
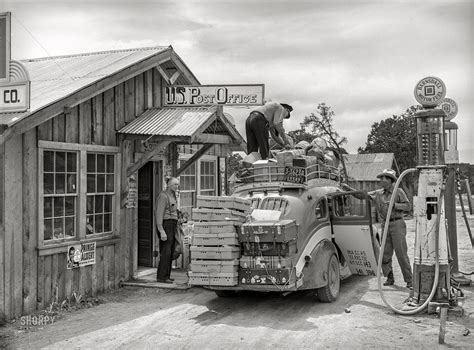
(384, 239)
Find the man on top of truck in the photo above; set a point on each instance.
(268, 117)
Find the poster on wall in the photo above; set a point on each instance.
(81, 255)
(132, 193)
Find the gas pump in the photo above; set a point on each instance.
(431, 265)
(431, 275)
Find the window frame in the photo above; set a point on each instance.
(81, 185)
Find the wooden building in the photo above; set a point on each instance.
(84, 164)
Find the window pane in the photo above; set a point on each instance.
(101, 163)
(110, 183)
(69, 206)
(90, 204)
(89, 224)
(48, 207)
(99, 204)
(98, 223)
(90, 183)
(107, 222)
(48, 183)
(60, 161)
(48, 229)
(70, 231)
(60, 183)
(48, 161)
(71, 162)
(71, 183)
(107, 204)
(110, 164)
(58, 206)
(91, 163)
(58, 228)
(100, 183)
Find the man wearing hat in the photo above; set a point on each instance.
(397, 230)
(261, 120)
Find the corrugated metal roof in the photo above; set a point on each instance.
(366, 167)
(169, 122)
(54, 78)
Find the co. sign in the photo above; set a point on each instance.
(15, 97)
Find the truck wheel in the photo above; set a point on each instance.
(225, 293)
(329, 293)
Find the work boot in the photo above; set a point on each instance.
(410, 285)
(390, 280)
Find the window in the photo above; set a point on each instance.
(100, 192)
(187, 188)
(78, 191)
(60, 194)
(208, 178)
(275, 203)
(320, 210)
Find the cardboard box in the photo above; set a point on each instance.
(285, 158)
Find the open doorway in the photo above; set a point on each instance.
(149, 185)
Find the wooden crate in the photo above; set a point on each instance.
(207, 214)
(215, 253)
(215, 227)
(215, 266)
(215, 239)
(213, 279)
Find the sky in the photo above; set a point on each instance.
(361, 58)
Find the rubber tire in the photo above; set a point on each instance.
(225, 293)
(330, 292)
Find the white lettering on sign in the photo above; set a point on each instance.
(205, 95)
(15, 97)
(430, 91)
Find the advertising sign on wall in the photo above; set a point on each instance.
(81, 255)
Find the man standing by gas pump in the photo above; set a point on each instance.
(397, 230)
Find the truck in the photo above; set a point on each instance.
(302, 232)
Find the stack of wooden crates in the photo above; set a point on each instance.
(215, 250)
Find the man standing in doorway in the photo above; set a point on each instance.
(397, 230)
(262, 120)
(166, 215)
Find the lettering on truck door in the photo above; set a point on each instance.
(353, 233)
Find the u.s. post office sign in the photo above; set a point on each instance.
(208, 95)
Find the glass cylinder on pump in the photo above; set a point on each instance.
(430, 137)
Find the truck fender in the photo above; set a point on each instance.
(315, 275)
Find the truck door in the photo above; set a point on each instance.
(353, 231)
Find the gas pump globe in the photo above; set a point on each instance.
(430, 134)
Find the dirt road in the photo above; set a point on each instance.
(197, 318)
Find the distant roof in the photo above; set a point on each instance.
(365, 167)
(54, 78)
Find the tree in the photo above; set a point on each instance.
(321, 125)
(395, 135)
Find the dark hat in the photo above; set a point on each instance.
(288, 107)
(390, 173)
